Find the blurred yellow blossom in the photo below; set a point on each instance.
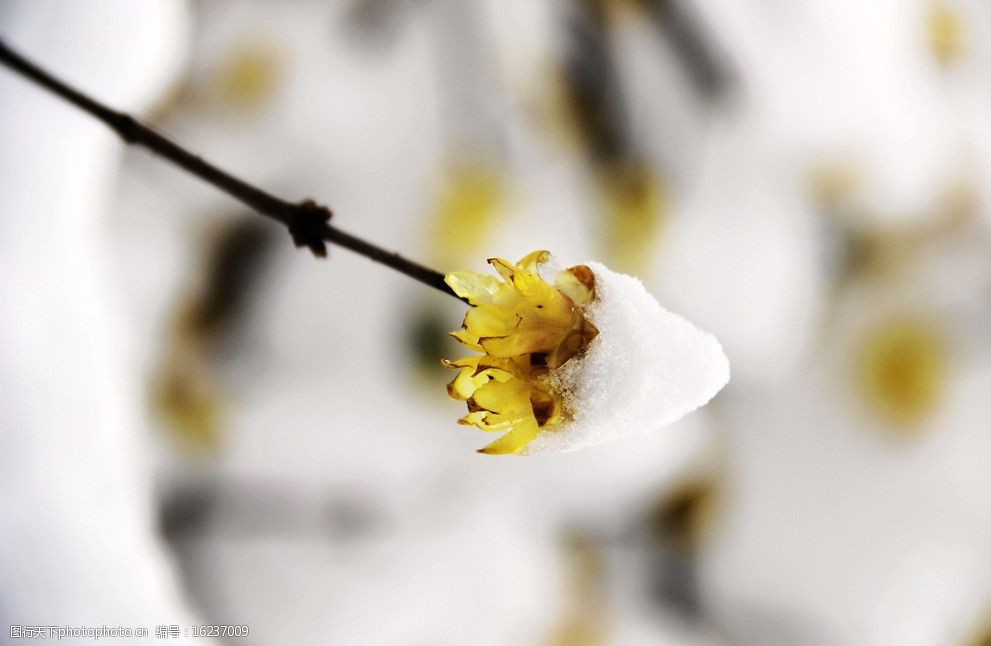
(903, 369)
(469, 205)
(946, 33)
(634, 199)
(248, 75)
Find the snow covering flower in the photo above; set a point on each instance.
(575, 363)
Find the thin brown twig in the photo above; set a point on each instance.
(307, 221)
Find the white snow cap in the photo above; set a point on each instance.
(646, 368)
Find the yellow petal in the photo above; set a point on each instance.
(496, 374)
(487, 320)
(464, 362)
(532, 341)
(495, 422)
(463, 386)
(505, 268)
(472, 378)
(467, 338)
(476, 287)
(534, 288)
(530, 261)
(514, 441)
(506, 398)
(475, 418)
(577, 283)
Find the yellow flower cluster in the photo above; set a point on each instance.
(525, 328)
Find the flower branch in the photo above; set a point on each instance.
(307, 221)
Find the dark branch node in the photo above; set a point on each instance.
(126, 126)
(307, 224)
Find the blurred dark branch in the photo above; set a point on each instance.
(593, 88)
(707, 66)
(307, 221)
(470, 101)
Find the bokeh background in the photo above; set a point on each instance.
(203, 425)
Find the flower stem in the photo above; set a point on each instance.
(307, 221)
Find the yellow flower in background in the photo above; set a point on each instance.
(634, 200)
(946, 33)
(470, 203)
(187, 397)
(684, 515)
(903, 371)
(249, 74)
(981, 636)
(524, 327)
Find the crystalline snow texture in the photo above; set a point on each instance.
(646, 368)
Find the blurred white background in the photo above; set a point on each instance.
(200, 424)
